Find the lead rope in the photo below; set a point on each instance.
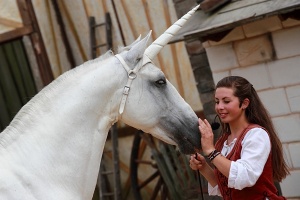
(199, 180)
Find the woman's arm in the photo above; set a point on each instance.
(222, 164)
(200, 164)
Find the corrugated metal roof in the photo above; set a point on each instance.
(234, 14)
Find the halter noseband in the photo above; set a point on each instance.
(132, 74)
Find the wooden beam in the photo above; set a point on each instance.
(24, 12)
(154, 36)
(72, 27)
(14, 34)
(65, 40)
(29, 19)
(10, 23)
(174, 53)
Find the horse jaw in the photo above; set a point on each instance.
(178, 127)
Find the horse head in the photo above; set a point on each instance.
(150, 102)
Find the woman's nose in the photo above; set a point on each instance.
(219, 106)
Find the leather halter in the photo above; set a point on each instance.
(132, 74)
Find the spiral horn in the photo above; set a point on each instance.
(162, 40)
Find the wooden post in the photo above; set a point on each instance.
(29, 19)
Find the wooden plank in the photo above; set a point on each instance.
(242, 4)
(14, 34)
(28, 16)
(153, 34)
(63, 33)
(33, 63)
(42, 59)
(72, 24)
(180, 85)
(172, 175)
(10, 23)
(22, 4)
(118, 22)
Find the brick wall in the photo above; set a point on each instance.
(267, 53)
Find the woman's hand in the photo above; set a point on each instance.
(197, 163)
(207, 137)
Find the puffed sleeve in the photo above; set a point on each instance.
(256, 148)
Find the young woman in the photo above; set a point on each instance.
(248, 156)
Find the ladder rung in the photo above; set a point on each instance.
(107, 151)
(108, 194)
(96, 25)
(107, 172)
(100, 45)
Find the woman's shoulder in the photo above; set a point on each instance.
(257, 133)
(258, 140)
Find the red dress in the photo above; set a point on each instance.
(263, 188)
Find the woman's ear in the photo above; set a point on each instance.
(245, 103)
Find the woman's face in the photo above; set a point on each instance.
(227, 105)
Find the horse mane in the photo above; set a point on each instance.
(39, 100)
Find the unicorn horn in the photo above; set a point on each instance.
(162, 40)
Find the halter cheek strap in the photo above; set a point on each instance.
(131, 76)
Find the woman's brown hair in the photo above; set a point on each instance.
(256, 113)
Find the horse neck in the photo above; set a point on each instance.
(60, 134)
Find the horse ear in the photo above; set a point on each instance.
(138, 48)
(136, 41)
(126, 48)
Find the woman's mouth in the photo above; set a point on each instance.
(222, 115)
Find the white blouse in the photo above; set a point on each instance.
(245, 171)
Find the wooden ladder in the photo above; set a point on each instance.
(106, 172)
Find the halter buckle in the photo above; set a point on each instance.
(126, 90)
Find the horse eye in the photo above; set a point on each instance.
(160, 82)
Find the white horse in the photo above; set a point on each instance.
(52, 149)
